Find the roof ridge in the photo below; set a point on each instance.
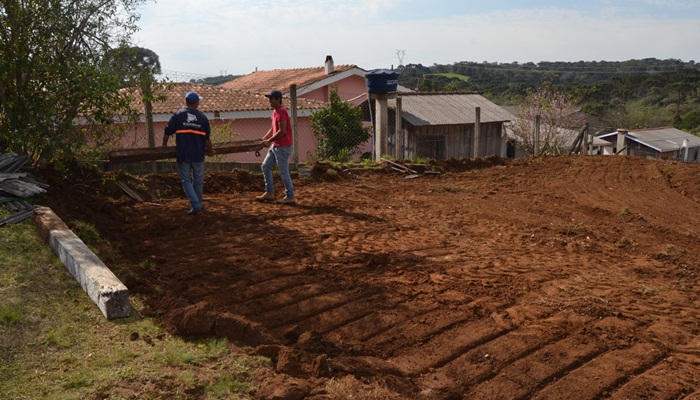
(653, 129)
(436, 93)
(348, 66)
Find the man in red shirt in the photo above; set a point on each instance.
(279, 140)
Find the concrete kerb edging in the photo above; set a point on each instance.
(109, 294)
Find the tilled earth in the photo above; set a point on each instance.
(552, 278)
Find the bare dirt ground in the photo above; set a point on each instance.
(553, 278)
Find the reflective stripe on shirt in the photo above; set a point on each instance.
(191, 131)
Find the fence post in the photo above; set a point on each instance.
(584, 140)
(398, 135)
(295, 136)
(477, 131)
(537, 136)
(381, 143)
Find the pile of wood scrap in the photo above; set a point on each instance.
(15, 187)
(411, 173)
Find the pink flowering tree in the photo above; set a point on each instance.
(558, 125)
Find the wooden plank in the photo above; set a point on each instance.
(403, 167)
(129, 191)
(162, 153)
(16, 217)
(12, 162)
(20, 188)
(579, 139)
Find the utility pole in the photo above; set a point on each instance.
(400, 54)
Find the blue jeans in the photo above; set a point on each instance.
(192, 177)
(278, 155)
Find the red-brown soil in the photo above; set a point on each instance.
(552, 278)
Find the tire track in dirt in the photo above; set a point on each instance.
(555, 278)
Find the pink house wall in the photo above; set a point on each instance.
(348, 89)
(246, 129)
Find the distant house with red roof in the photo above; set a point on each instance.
(241, 104)
(313, 83)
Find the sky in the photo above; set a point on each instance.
(221, 37)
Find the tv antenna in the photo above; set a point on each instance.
(400, 54)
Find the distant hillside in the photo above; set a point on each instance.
(635, 93)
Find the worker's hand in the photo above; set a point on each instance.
(266, 143)
(211, 152)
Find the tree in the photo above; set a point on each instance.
(137, 67)
(51, 71)
(338, 129)
(558, 124)
(690, 122)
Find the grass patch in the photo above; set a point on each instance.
(10, 314)
(175, 354)
(226, 387)
(55, 343)
(452, 75)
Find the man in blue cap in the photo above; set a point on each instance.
(279, 140)
(191, 129)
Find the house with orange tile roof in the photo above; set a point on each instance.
(243, 114)
(313, 83)
(240, 104)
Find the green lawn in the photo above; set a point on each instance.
(452, 75)
(56, 344)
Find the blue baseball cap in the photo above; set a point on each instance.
(275, 94)
(192, 97)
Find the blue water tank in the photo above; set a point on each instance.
(381, 80)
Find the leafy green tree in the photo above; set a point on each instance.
(338, 129)
(689, 123)
(137, 67)
(51, 72)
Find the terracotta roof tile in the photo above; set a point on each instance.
(214, 99)
(264, 81)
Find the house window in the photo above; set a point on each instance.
(431, 146)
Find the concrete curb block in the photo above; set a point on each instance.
(109, 294)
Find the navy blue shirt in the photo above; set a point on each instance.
(191, 129)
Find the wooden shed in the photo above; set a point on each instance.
(443, 125)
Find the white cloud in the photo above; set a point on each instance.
(215, 35)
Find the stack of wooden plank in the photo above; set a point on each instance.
(161, 153)
(16, 187)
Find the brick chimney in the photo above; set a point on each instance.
(329, 65)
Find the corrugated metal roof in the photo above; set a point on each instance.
(661, 139)
(423, 109)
